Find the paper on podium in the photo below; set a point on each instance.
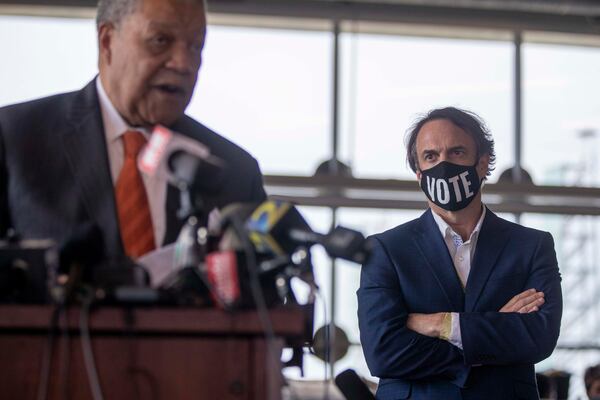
(159, 264)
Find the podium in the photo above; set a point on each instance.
(148, 353)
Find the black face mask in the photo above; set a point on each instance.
(450, 186)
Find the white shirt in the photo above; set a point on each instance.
(156, 188)
(462, 256)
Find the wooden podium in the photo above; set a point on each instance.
(147, 353)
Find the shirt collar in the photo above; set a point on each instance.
(114, 124)
(447, 231)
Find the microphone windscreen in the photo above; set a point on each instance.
(222, 274)
(181, 160)
(352, 387)
(197, 173)
(271, 224)
(84, 246)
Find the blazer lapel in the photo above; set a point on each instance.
(434, 250)
(85, 148)
(492, 240)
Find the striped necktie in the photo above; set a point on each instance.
(135, 220)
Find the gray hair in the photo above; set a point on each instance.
(115, 10)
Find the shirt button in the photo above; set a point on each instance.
(461, 258)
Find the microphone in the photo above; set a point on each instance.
(84, 248)
(229, 277)
(182, 161)
(82, 258)
(227, 267)
(277, 227)
(352, 387)
(279, 238)
(78, 255)
(28, 271)
(223, 271)
(340, 242)
(223, 274)
(271, 224)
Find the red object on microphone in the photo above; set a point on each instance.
(222, 274)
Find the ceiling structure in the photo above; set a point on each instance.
(581, 17)
(574, 16)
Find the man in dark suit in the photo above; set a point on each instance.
(63, 158)
(459, 303)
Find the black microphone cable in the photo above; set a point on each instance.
(44, 379)
(327, 355)
(133, 369)
(316, 294)
(86, 345)
(259, 300)
(65, 355)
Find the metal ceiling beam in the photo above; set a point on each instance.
(560, 7)
(582, 17)
(327, 191)
(418, 13)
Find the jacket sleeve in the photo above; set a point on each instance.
(506, 338)
(4, 212)
(258, 193)
(391, 349)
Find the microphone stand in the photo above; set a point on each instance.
(190, 248)
(189, 283)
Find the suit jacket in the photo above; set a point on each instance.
(411, 271)
(55, 175)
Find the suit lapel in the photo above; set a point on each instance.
(492, 240)
(434, 250)
(85, 148)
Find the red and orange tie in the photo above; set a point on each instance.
(135, 220)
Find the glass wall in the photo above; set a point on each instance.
(269, 90)
(44, 56)
(561, 116)
(390, 80)
(577, 250)
(368, 221)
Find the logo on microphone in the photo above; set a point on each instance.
(154, 151)
(261, 223)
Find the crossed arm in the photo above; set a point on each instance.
(432, 325)
(524, 330)
(399, 344)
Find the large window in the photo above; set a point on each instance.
(368, 221)
(561, 114)
(577, 250)
(44, 56)
(270, 90)
(390, 80)
(267, 90)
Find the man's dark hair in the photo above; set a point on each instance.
(468, 121)
(591, 374)
(114, 11)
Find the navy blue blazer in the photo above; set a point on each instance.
(55, 174)
(411, 271)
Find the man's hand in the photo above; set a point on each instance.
(525, 302)
(426, 324)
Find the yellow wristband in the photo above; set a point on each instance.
(446, 326)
